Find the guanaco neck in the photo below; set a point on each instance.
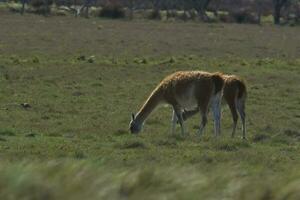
(151, 103)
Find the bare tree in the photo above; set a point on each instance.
(214, 7)
(130, 4)
(23, 6)
(156, 4)
(278, 4)
(262, 7)
(201, 7)
(86, 6)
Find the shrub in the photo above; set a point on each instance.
(59, 12)
(225, 18)
(61, 2)
(193, 14)
(155, 14)
(94, 11)
(171, 14)
(7, 132)
(41, 6)
(14, 7)
(189, 15)
(43, 10)
(112, 11)
(133, 144)
(40, 3)
(184, 16)
(244, 17)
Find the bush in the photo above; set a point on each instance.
(226, 18)
(41, 6)
(14, 7)
(155, 14)
(193, 14)
(61, 3)
(171, 14)
(244, 17)
(59, 12)
(43, 10)
(184, 16)
(94, 11)
(40, 3)
(189, 15)
(112, 11)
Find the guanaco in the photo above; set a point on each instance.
(184, 90)
(235, 94)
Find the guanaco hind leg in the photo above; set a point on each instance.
(232, 107)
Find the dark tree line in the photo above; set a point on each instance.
(200, 7)
(278, 4)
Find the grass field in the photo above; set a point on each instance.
(82, 79)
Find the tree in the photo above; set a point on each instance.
(278, 4)
(130, 4)
(23, 6)
(201, 7)
(156, 4)
(87, 4)
(262, 7)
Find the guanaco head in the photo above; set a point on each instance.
(135, 126)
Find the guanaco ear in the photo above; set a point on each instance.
(132, 116)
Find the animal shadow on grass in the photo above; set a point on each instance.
(167, 142)
(292, 133)
(54, 135)
(7, 132)
(78, 154)
(178, 137)
(230, 144)
(30, 135)
(287, 137)
(120, 132)
(132, 144)
(261, 137)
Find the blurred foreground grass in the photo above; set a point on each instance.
(83, 180)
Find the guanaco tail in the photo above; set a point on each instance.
(235, 94)
(184, 90)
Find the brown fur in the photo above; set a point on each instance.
(235, 94)
(178, 82)
(219, 81)
(234, 87)
(174, 86)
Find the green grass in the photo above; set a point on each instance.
(72, 142)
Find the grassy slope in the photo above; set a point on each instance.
(73, 141)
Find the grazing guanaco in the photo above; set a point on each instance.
(235, 94)
(184, 90)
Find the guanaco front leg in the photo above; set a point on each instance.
(178, 113)
(216, 107)
(174, 122)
